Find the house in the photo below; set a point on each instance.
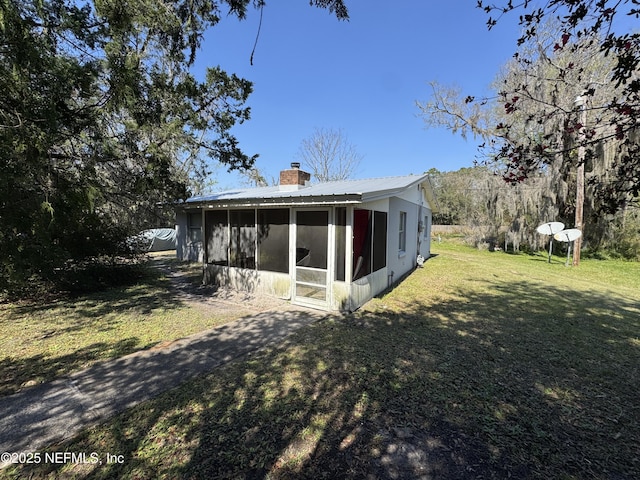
(331, 245)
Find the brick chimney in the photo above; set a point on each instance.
(294, 178)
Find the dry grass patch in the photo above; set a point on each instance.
(40, 341)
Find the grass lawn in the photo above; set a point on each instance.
(479, 365)
(40, 341)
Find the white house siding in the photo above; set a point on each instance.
(340, 298)
(427, 218)
(425, 237)
(247, 280)
(379, 205)
(399, 263)
(365, 288)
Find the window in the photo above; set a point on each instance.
(194, 227)
(402, 232)
(216, 225)
(273, 240)
(242, 244)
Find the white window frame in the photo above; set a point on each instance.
(402, 233)
(191, 228)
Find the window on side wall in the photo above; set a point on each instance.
(402, 233)
(194, 225)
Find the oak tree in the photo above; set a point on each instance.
(614, 112)
(101, 119)
(535, 110)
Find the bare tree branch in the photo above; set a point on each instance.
(329, 155)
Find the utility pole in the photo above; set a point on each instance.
(582, 114)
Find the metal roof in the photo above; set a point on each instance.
(344, 191)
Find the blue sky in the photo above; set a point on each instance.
(362, 76)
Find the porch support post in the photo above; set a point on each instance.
(331, 255)
(292, 252)
(348, 254)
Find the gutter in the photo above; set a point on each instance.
(275, 202)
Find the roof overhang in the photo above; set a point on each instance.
(431, 197)
(392, 192)
(274, 202)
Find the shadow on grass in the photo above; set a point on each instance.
(19, 372)
(521, 381)
(76, 319)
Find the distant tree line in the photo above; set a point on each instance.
(573, 86)
(560, 136)
(497, 214)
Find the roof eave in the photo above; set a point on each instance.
(382, 194)
(431, 196)
(289, 201)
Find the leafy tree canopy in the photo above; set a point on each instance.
(613, 116)
(101, 119)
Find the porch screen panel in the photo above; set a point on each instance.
(341, 242)
(379, 240)
(273, 240)
(217, 236)
(312, 243)
(243, 238)
(362, 231)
